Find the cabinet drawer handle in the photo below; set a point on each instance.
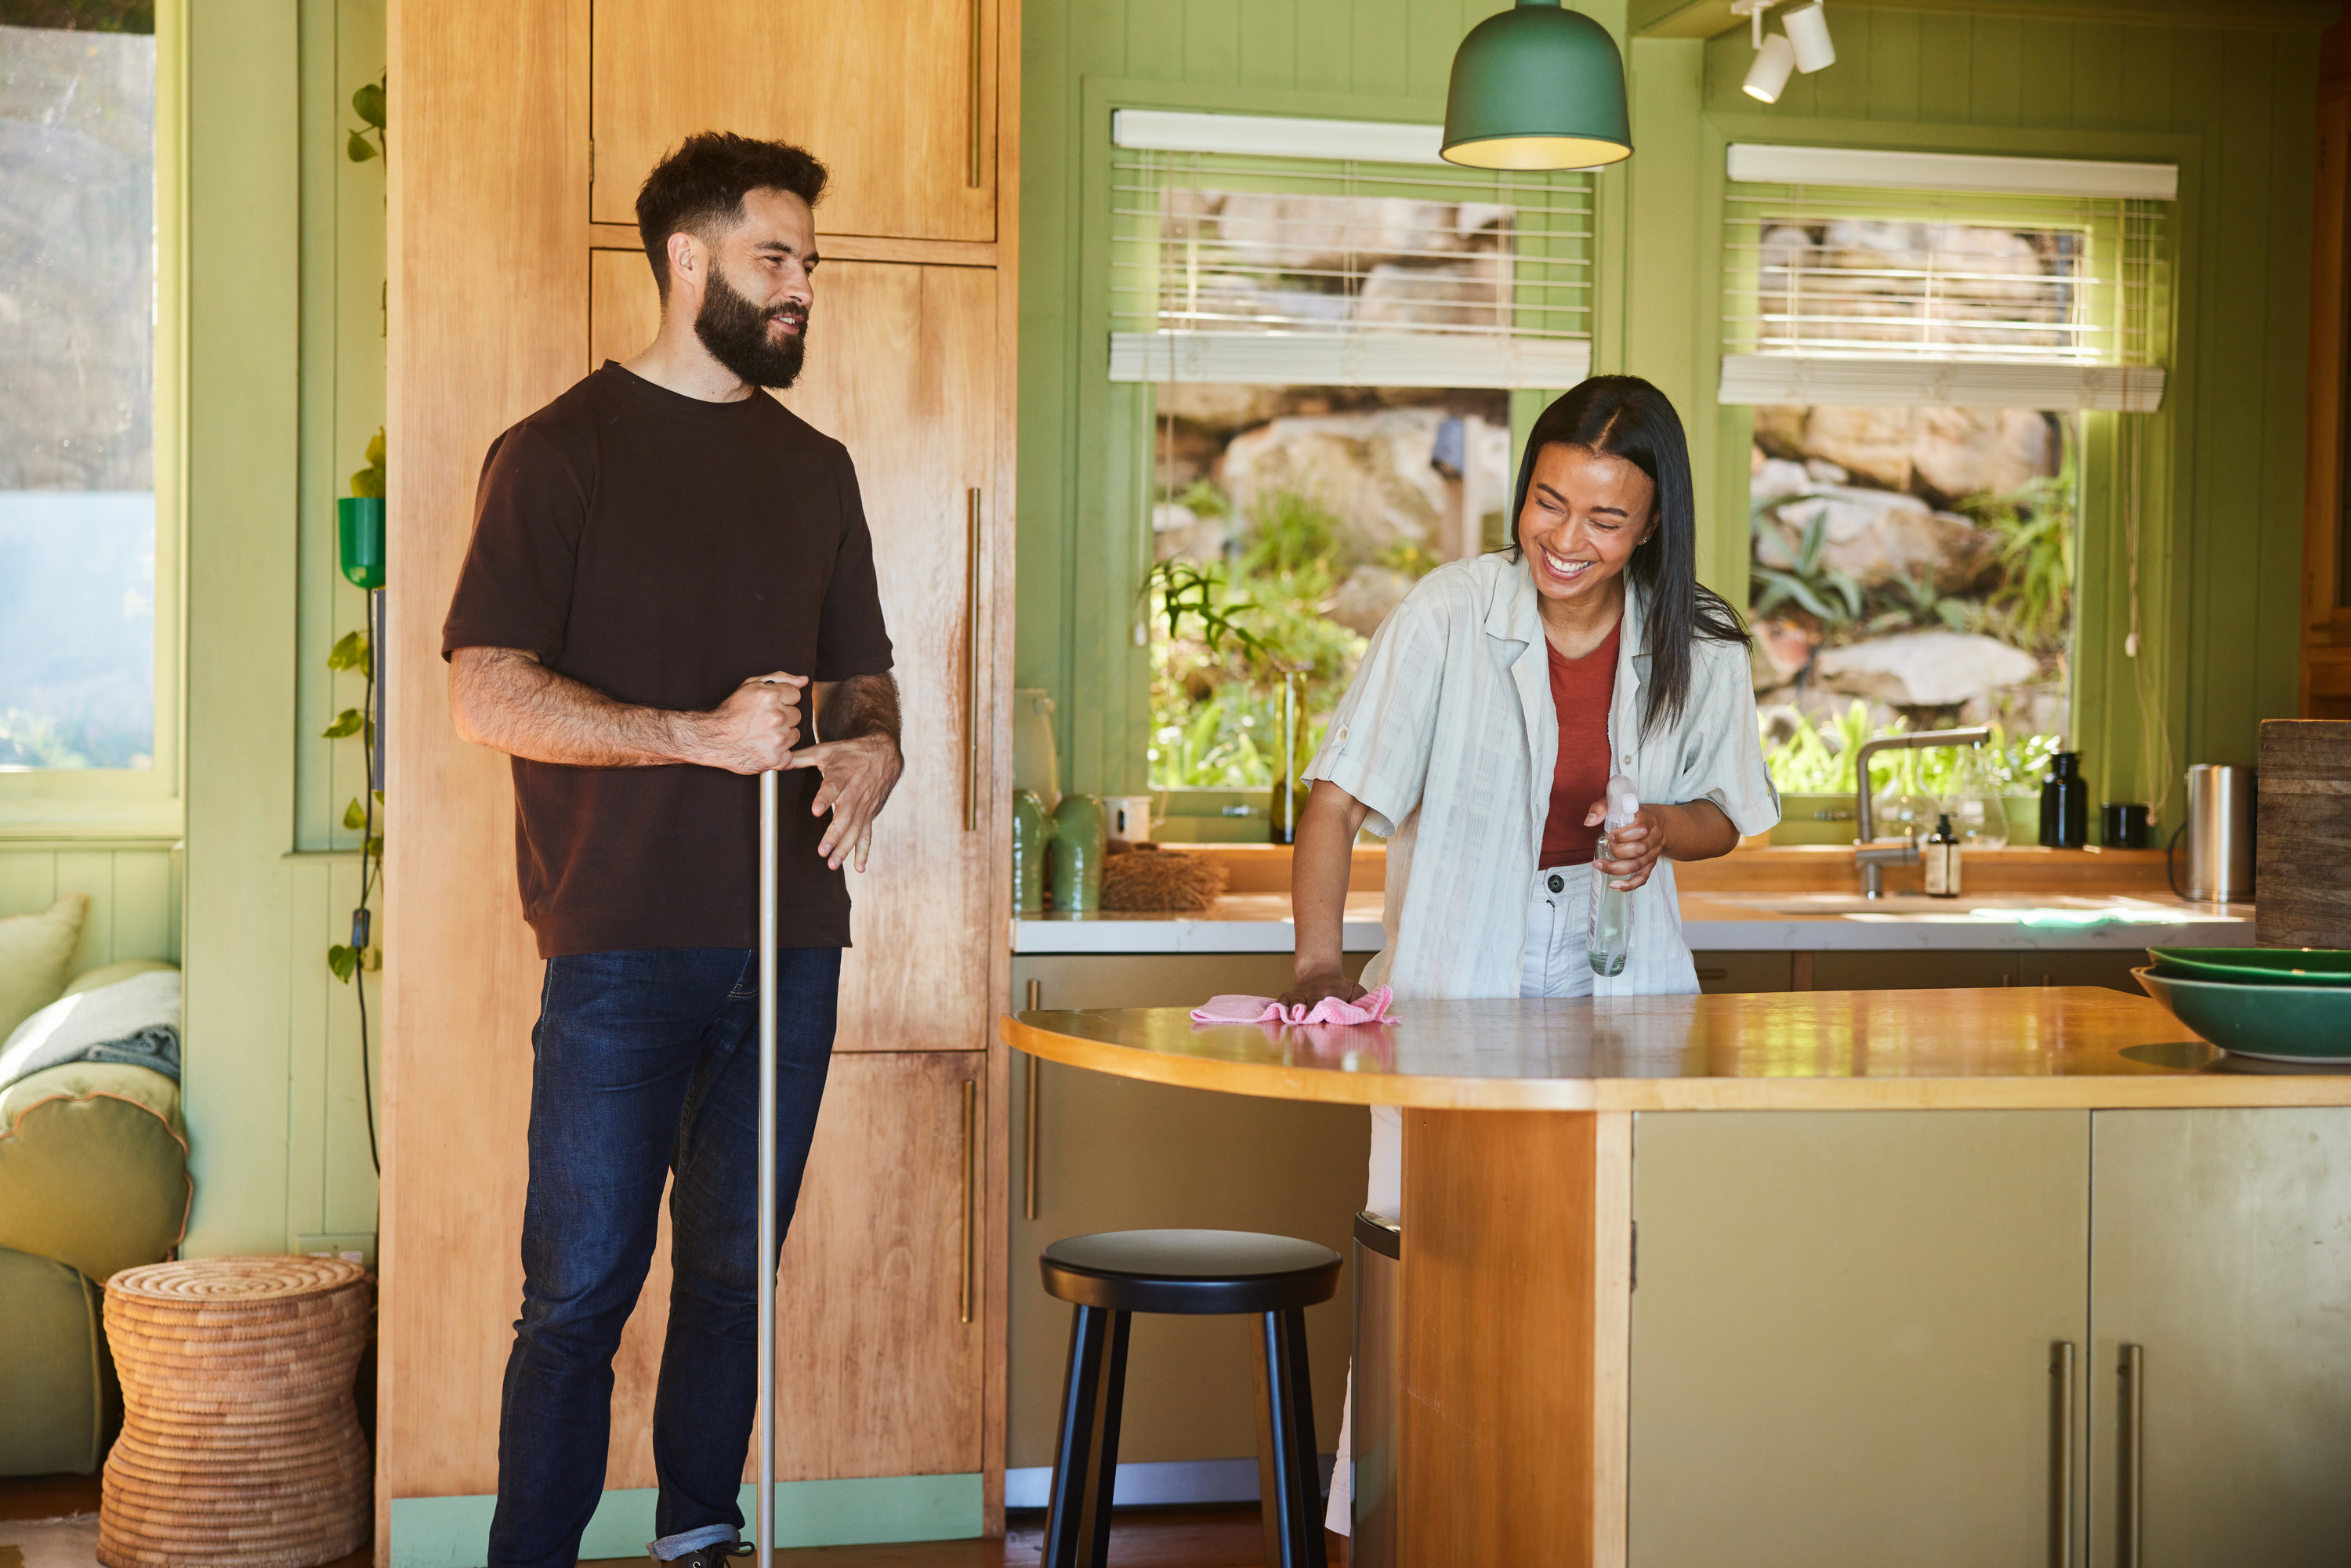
(971, 173)
(962, 1261)
(1712, 974)
(971, 663)
(2133, 1376)
(1029, 1144)
(2061, 1456)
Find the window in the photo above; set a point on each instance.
(1922, 337)
(78, 542)
(1326, 322)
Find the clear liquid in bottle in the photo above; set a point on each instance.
(1609, 940)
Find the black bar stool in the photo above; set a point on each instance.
(1119, 1273)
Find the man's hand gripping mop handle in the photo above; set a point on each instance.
(765, 1513)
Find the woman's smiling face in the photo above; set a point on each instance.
(1584, 516)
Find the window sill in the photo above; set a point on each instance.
(85, 823)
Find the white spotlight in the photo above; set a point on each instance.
(1808, 33)
(1774, 60)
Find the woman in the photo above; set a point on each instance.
(1486, 720)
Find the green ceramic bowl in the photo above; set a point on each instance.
(2269, 1023)
(2256, 966)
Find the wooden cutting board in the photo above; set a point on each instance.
(2302, 842)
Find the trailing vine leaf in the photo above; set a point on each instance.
(368, 103)
(354, 815)
(342, 960)
(369, 481)
(351, 721)
(350, 652)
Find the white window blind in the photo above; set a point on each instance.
(1288, 269)
(1957, 295)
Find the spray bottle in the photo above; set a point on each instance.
(1610, 936)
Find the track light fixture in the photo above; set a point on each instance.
(1804, 47)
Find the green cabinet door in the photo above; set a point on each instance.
(1843, 1329)
(2221, 1248)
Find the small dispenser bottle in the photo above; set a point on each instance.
(1941, 856)
(2066, 803)
(1610, 936)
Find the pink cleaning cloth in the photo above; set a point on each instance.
(1370, 1008)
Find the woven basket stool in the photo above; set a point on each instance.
(240, 1445)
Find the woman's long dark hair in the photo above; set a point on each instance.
(1625, 417)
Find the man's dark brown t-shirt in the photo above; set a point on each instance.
(662, 550)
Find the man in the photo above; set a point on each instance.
(665, 562)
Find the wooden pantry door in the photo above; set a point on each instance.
(897, 98)
(902, 367)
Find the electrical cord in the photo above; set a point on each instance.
(360, 922)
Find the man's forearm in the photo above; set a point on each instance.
(510, 701)
(858, 706)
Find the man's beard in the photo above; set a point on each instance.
(734, 331)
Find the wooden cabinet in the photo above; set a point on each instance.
(1894, 969)
(1842, 1334)
(897, 98)
(2221, 1248)
(530, 125)
(1113, 1155)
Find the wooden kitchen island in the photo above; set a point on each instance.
(2076, 1290)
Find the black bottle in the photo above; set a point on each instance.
(2065, 804)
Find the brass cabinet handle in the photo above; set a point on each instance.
(2133, 1377)
(1029, 1140)
(979, 43)
(2061, 1455)
(963, 1280)
(971, 663)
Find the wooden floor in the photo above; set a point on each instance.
(1143, 1538)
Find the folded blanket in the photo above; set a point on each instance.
(135, 1023)
(1370, 1008)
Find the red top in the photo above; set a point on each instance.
(1580, 690)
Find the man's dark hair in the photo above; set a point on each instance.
(700, 188)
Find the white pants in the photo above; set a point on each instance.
(1556, 963)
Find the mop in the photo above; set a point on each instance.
(766, 1507)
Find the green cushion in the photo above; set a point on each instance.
(50, 1384)
(36, 956)
(93, 1166)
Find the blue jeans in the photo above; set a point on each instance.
(646, 1066)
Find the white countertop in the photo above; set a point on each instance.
(1718, 923)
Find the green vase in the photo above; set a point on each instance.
(1080, 840)
(1032, 829)
(358, 528)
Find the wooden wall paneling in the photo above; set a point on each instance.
(882, 94)
(488, 293)
(1501, 1270)
(876, 1371)
(2327, 609)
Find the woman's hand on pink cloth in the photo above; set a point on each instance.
(1369, 1007)
(1311, 989)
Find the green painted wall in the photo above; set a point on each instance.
(284, 263)
(2220, 469)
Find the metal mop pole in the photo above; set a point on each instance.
(766, 1510)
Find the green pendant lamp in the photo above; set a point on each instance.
(1537, 86)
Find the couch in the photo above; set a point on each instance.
(93, 1180)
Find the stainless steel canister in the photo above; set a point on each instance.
(2220, 835)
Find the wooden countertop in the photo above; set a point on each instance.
(2032, 1046)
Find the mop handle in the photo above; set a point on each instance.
(766, 1510)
